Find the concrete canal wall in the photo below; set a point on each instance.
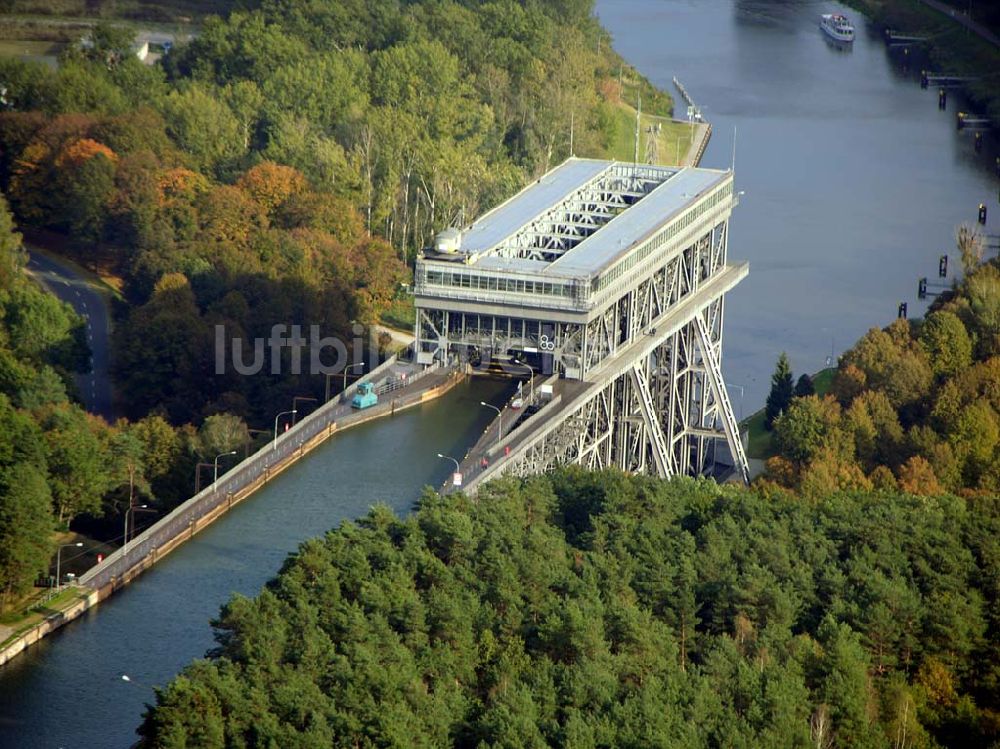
(122, 567)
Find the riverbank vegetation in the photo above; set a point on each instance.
(60, 465)
(594, 609)
(915, 406)
(280, 168)
(286, 164)
(156, 11)
(952, 49)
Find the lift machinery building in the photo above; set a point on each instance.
(612, 276)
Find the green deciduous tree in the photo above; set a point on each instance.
(946, 342)
(806, 427)
(205, 127)
(78, 461)
(222, 433)
(12, 255)
(25, 528)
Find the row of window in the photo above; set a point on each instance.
(669, 232)
(465, 280)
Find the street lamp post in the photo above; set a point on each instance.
(295, 402)
(457, 476)
(347, 369)
(274, 444)
(448, 457)
(59, 561)
(730, 385)
(531, 379)
(499, 419)
(215, 474)
(132, 508)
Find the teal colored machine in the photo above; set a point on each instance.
(365, 397)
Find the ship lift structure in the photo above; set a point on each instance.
(610, 279)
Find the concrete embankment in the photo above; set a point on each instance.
(197, 513)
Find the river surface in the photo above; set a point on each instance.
(854, 183)
(68, 691)
(854, 180)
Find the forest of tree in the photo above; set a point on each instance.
(281, 168)
(57, 462)
(914, 407)
(598, 610)
(284, 165)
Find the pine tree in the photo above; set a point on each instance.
(782, 387)
(804, 387)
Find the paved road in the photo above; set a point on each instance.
(399, 338)
(82, 294)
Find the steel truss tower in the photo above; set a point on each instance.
(613, 281)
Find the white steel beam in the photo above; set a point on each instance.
(729, 422)
(651, 417)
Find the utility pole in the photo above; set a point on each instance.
(572, 116)
(638, 117)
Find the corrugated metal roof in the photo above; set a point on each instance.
(535, 199)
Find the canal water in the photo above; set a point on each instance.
(68, 691)
(854, 180)
(854, 183)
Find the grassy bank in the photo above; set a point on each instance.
(40, 603)
(952, 49)
(154, 11)
(401, 314)
(673, 139)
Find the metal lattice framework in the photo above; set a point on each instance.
(581, 213)
(657, 406)
(635, 355)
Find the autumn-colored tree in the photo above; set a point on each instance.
(334, 215)
(781, 470)
(917, 477)
(848, 383)
(271, 184)
(229, 217)
(379, 274)
(829, 471)
(882, 480)
(180, 184)
(937, 682)
(77, 152)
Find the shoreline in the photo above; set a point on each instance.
(956, 50)
(91, 596)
